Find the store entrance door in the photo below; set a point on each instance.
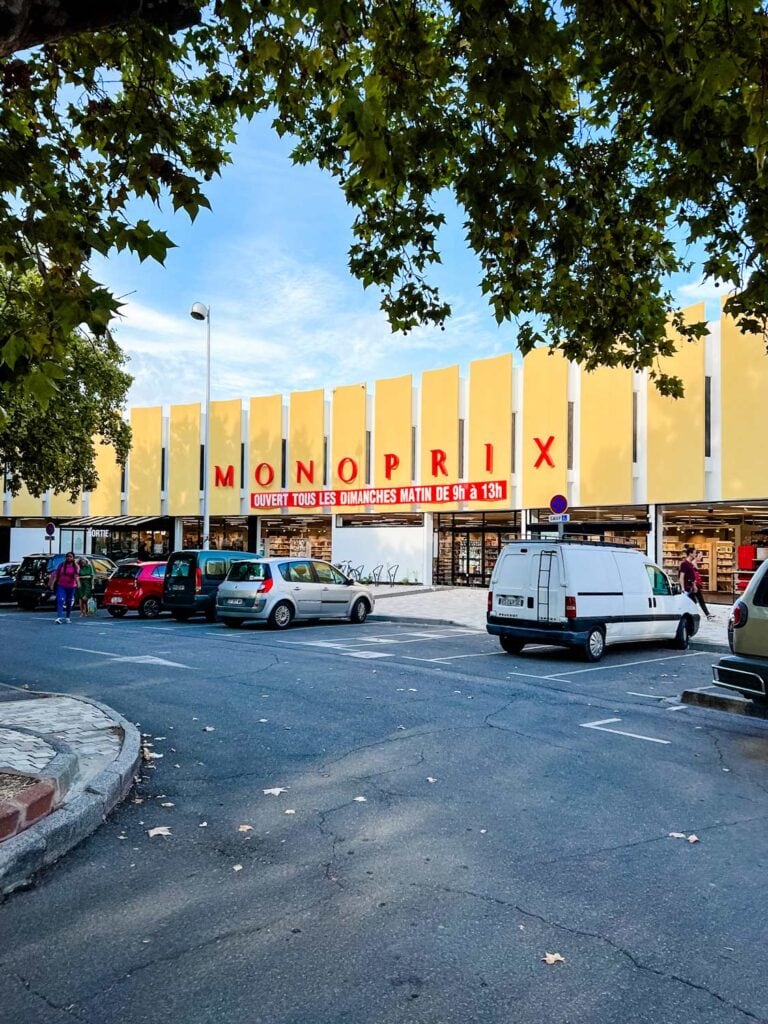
(468, 545)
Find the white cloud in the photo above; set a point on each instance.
(279, 324)
(707, 290)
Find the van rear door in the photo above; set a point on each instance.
(179, 585)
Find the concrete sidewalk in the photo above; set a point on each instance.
(64, 764)
(466, 606)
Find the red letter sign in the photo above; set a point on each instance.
(302, 470)
(391, 462)
(489, 458)
(544, 455)
(438, 461)
(224, 479)
(348, 466)
(264, 474)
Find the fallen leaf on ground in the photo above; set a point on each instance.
(263, 721)
(158, 738)
(137, 800)
(203, 824)
(275, 791)
(693, 839)
(360, 799)
(677, 835)
(553, 958)
(290, 811)
(245, 828)
(237, 867)
(167, 803)
(208, 728)
(149, 755)
(430, 779)
(161, 830)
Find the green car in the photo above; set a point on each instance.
(746, 669)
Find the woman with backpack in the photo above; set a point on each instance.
(64, 582)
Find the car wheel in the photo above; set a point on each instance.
(359, 611)
(281, 616)
(150, 608)
(232, 623)
(510, 645)
(181, 615)
(594, 646)
(682, 636)
(117, 613)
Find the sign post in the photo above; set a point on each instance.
(558, 504)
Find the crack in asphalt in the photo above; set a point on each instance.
(69, 1010)
(638, 964)
(196, 947)
(647, 842)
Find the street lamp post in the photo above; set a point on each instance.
(202, 312)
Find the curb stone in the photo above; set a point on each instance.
(733, 703)
(61, 769)
(50, 838)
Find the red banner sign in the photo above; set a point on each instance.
(429, 494)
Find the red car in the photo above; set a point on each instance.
(136, 586)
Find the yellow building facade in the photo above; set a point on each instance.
(467, 461)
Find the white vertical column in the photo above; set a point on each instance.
(573, 477)
(713, 465)
(428, 548)
(517, 410)
(640, 466)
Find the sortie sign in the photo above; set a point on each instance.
(424, 494)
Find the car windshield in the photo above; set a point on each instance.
(38, 564)
(245, 572)
(126, 572)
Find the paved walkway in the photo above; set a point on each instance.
(466, 606)
(84, 729)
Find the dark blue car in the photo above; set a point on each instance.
(8, 572)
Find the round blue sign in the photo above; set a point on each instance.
(558, 504)
(50, 529)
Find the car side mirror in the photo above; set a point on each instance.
(676, 588)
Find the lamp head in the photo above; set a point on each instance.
(198, 311)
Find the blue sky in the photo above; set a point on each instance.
(270, 259)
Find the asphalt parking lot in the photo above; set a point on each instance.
(447, 815)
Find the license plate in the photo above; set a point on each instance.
(514, 602)
(176, 586)
(117, 600)
(27, 579)
(234, 600)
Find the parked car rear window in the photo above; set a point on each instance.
(297, 572)
(158, 572)
(182, 567)
(244, 572)
(215, 568)
(126, 572)
(100, 565)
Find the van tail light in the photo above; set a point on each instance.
(490, 601)
(198, 580)
(265, 587)
(570, 607)
(740, 614)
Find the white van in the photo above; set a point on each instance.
(584, 595)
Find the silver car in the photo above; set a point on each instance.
(279, 590)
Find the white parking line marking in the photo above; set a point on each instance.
(631, 664)
(678, 707)
(600, 726)
(137, 659)
(653, 696)
(368, 655)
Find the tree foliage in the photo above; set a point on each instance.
(587, 143)
(86, 391)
